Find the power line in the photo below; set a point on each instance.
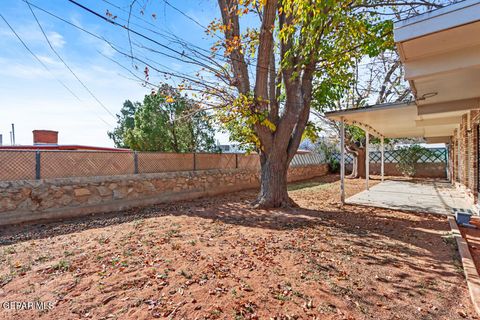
(67, 66)
(193, 61)
(182, 54)
(169, 34)
(43, 64)
(185, 15)
(101, 38)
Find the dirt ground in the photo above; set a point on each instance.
(473, 239)
(217, 258)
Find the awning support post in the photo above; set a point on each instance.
(342, 161)
(367, 159)
(382, 167)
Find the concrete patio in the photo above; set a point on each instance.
(420, 196)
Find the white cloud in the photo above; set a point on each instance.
(47, 60)
(107, 50)
(56, 39)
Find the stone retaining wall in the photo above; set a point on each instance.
(55, 199)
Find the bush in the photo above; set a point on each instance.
(408, 157)
(334, 165)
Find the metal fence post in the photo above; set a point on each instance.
(135, 162)
(236, 160)
(194, 161)
(37, 165)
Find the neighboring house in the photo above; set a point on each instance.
(48, 140)
(230, 148)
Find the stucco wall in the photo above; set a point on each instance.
(53, 199)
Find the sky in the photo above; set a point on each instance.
(34, 97)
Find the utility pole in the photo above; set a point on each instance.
(13, 134)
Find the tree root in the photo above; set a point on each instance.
(263, 203)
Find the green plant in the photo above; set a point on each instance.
(62, 265)
(408, 157)
(333, 165)
(167, 120)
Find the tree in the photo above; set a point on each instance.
(381, 81)
(166, 121)
(125, 121)
(263, 74)
(302, 48)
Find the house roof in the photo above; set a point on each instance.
(440, 51)
(450, 16)
(63, 148)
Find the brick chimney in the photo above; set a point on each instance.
(45, 137)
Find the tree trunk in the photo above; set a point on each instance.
(273, 186)
(354, 173)
(361, 163)
(352, 150)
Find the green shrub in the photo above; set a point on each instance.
(408, 157)
(333, 165)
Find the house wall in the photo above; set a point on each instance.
(54, 199)
(463, 155)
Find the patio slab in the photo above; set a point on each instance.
(424, 196)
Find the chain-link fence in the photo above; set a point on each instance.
(27, 165)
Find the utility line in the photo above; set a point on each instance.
(101, 38)
(44, 65)
(67, 66)
(193, 61)
(182, 54)
(169, 34)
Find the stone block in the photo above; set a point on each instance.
(94, 200)
(147, 185)
(81, 192)
(7, 205)
(104, 191)
(65, 200)
(119, 193)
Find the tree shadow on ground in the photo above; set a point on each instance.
(412, 240)
(235, 209)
